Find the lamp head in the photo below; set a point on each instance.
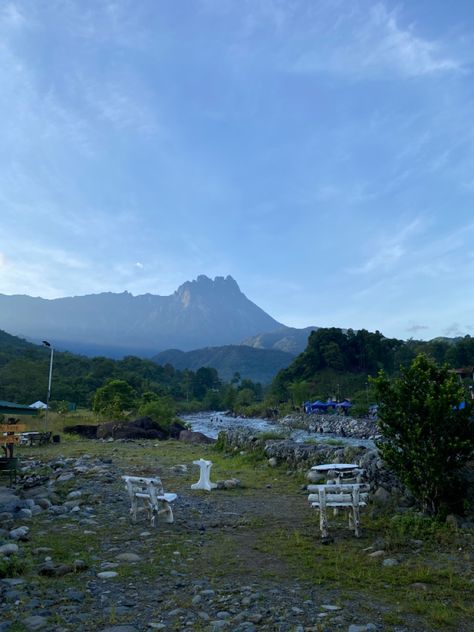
(46, 343)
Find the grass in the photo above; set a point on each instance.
(276, 541)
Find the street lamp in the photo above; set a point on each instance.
(47, 344)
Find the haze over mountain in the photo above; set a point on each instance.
(287, 339)
(258, 365)
(198, 314)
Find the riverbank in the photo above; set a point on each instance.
(340, 425)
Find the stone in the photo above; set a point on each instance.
(74, 494)
(20, 533)
(44, 503)
(272, 462)
(24, 514)
(107, 574)
(120, 628)
(390, 562)
(315, 477)
(379, 553)
(369, 627)
(8, 549)
(35, 622)
(382, 496)
(65, 476)
(128, 557)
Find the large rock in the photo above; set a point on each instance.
(194, 437)
(142, 428)
(83, 430)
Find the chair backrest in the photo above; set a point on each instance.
(143, 485)
(343, 495)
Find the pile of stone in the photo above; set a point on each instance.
(342, 425)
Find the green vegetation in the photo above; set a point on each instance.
(428, 437)
(335, 363)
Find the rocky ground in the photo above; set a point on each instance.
(238, 558)
(332, 423)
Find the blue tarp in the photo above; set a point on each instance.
(319, 406)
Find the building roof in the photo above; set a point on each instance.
(10, 408)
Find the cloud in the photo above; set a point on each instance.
(389, 249)
(372, 44)
(416, 328)
(11, 16)
(454, 331)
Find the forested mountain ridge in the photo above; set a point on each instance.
(200, 313)
(24, 369)
(258, 365)
(335, 359)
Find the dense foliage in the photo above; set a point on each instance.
(337, 363)
(24, 369)
(428, 432)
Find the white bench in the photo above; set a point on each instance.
(338, 496)
(150, 492)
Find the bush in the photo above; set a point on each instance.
(428, 434)
(161, 409)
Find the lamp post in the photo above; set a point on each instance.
(47, 344)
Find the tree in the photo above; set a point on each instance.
(428, 432)
(114, 398)
(160, 409)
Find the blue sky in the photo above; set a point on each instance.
(319, 151)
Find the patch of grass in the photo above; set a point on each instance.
(12, 566)
(345, 566)
(412, 525)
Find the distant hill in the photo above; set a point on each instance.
(200, 313)
(288, 339)
(258, 365)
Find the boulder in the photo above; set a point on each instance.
(83, 430)
(194, 437)
(141, 428)
(176, 428)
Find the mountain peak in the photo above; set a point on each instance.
(204, 284)
(203, 312)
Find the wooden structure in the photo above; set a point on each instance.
(350, 496)
(9, 437)
(148, 494)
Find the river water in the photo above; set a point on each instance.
(211, 423)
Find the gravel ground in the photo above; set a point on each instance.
(90, 568)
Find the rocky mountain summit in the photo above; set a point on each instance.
(200, 313)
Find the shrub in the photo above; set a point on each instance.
(428, 432)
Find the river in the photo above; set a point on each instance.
(211, 423)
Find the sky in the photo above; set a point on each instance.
(321, 152)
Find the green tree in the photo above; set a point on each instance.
(428, 434)
(113, 399)
(160, 409)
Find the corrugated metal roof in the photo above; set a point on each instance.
(20, 409)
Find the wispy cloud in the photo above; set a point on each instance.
(389, 248)
(376, 45)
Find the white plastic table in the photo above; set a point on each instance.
(341, 470)
(338, 467)
(204, 481)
